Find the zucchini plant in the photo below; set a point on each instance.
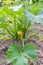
(19, 18)
(14, 21)
(18, 56)
(15, 55)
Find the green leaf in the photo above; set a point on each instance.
(18, 57)
(13, 53)
(30, 51)
(35, 8)
(4, 25)
(21, 61)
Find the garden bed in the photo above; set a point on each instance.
(37, 42)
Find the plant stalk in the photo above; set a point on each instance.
(22, 42)
(34, 34)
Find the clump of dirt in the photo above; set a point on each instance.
(37, 42)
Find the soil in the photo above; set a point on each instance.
(37, 42)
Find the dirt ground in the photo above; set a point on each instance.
(37, 42)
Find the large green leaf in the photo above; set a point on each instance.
(30, 51)
(18, 57)
(13, 53)
(21, 61)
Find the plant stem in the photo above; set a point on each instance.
(22, 42)
(34, 34)
(10, 33)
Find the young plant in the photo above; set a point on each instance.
(14, 21)
(18, 56)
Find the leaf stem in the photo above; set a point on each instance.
(22, 42)
(34, 34)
